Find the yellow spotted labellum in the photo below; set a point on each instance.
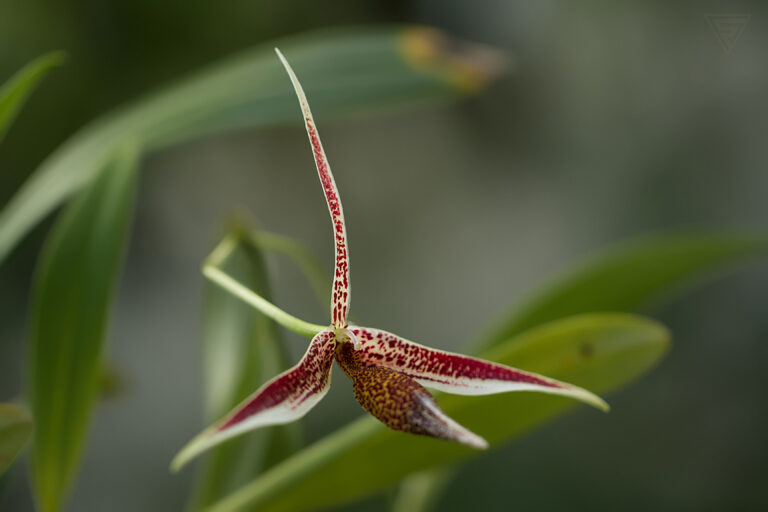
(389, 373)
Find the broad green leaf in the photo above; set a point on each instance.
(345, 71)
(15, 429)
(629, 277)
(600, 352)
(17, 89)
(76, 276)
(241, 350)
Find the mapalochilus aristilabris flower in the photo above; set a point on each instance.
(389, 373)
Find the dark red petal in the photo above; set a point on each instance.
(285, 398)
(456, 373)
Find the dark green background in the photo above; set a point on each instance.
(619, 119)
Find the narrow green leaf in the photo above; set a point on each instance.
(17, 89)
(15, 429)
(598, 351)
(241, 350)
(628, 277)
(74, 285)
(345, 71)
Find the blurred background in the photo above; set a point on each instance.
(616, 120)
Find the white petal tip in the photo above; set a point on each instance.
(192, 449)
(474, 441)
(459, 433)
(592, 399)
(465, 436)
(180, 460)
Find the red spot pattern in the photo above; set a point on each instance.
(293, 387)
(380, 348)
(340, 290)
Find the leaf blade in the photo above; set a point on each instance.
(346, 71)
(17, 89)
(75, 279)
(621, 348)
(627, 277)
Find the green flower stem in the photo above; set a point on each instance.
(212, 271)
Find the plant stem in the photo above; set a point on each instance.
(212, 271)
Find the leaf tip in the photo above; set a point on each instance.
(56, 58)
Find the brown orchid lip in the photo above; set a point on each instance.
(400, 402)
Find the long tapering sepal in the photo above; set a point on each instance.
(340, 291)
(284, 399)
(456, 373)
(400, 402)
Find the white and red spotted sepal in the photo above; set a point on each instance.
(284, 399)
(455, 373)
(340, 290)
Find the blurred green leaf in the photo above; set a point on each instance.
(625, 278)
(76, 275)
(242, 349)
(300, 254)
(112, 382)
(600, 352)
(343, 70)
(421, 491)
(17, 89)
(15, 429)
(629, 277)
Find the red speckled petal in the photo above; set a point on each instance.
(340, 291)
(400, 402)
(456, 373)
(285, 398)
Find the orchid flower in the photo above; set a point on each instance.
(389, 373)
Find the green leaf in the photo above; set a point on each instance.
(625, 278)
(17, 89)
(241, 350)
(76, 276)
(15, 429)
(629, 277)
(600, 352)
(345, 71)
(421, 491)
